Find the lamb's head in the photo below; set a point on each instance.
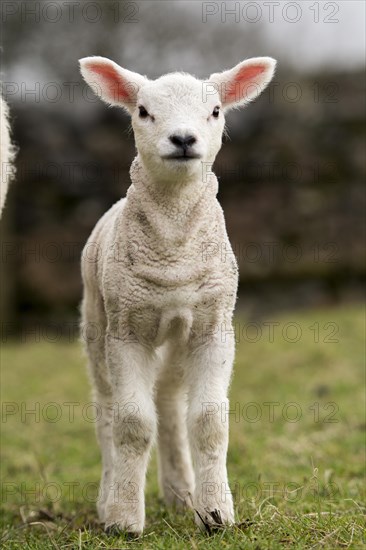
(178, 120)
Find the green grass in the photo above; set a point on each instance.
(297, 473)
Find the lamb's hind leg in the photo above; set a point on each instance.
(176, 478)
(93, 335)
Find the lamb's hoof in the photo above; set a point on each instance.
(211, 521)
(115, 530)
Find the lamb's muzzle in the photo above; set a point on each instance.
(162, 294)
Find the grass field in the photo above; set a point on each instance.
(296, 457)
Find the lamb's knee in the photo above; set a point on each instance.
(208, 431)
(133, 432)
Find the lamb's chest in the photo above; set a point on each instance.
(153, 314)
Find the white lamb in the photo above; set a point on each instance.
(159, 295)
(7, 153)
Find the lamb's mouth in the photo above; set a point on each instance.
(182, 158)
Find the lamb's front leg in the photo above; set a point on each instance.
(209, 376)
(134, 426)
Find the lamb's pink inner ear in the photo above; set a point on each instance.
(112, 80)
(246, 77)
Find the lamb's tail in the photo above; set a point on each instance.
(7, 153)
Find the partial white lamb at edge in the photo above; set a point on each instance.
(7, 153)
(160, 283)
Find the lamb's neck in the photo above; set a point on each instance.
(173, 215)
(173, 199)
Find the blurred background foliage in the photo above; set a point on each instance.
(291, 175)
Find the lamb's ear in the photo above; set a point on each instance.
(244, 82)
(114, 85)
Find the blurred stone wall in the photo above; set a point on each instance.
(292, 185)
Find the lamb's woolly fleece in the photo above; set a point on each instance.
(163, 250)
(7, 153)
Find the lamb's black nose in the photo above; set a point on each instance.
(183, 141)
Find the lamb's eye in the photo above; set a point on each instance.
(143, 112)
(216, 111)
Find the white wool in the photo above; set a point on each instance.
(160, 283)
(7, 153)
